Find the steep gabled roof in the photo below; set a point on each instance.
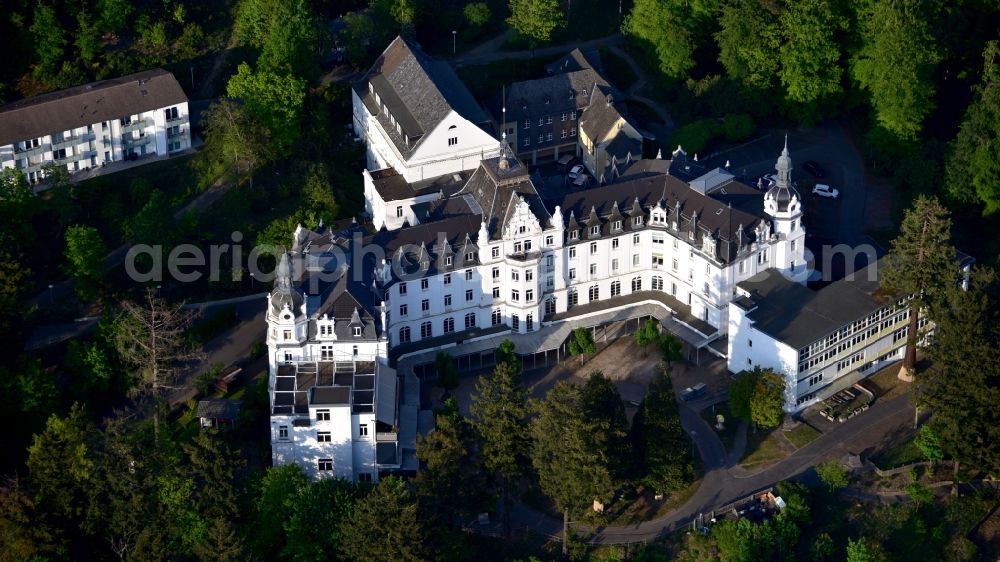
(88, 104)
(415, 92)
(495, 187)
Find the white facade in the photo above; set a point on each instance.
(332, 393)
(96, 124)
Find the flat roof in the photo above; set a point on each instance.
(798, 316)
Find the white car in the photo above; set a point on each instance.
(824, 190)
(575, 171)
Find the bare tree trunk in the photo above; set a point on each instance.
(910, 360)
(565, 545)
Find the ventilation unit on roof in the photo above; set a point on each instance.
(456, 177)
(718, 211)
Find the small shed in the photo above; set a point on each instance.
(218, 412)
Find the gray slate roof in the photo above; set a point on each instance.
(418, 92)
(91, 103)
(713, 216)
(798, 316)
(571, 91)
(495, 187)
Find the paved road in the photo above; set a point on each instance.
(724, 482)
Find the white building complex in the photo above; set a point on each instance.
(469, 248)
(95, 124)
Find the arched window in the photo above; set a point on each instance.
(550, 306)
(448, 325)
(657, 283)
(616, 288)
(470, 320)
(404, 334)
(426, 330)
(496, 318)
(572, 297)
(594, 293)
(636, 284)
(515, 322)
(530, 320)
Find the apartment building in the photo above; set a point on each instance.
(88, 126)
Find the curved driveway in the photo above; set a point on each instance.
(724, 482)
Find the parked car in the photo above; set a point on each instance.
(815, 169)
(824, 190)
(575, 171)
(692, 392)
(565, 162)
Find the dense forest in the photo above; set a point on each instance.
(94, 471)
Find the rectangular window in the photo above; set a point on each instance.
(283, 432)
(614, 264)
(572, 252)
(496, 292)
(424, 284)
(449, 260)
(452, 141)
(496, 251)
(447, 279)
(515, 295)
(468, 275)
(425, 305)
(635, 260)
(402, 311)
(402, 289)
(324, 465)
(635, 238)
(363, 430)
(515, 275)
(593, 269)
(572, 274)
(468, 295)
(529, 295)
(496, 273)
(324, 437)
(593, 248)
(657, 261)
(614, 243)
(447, 300)
(322, 415)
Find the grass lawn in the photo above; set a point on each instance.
(802, 435)
(764, 448)
(898, 455)
(617, 69)
(727, 435)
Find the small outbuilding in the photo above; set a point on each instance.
(218, 412)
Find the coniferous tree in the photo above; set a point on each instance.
(660, 441)
(499, 409)
(601, 401)
(385, 527)
(920, 264)
(962, 386)
(449, 482)
(569, 453)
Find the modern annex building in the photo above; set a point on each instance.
(95, 124)
(478, 253)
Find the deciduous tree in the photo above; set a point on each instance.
(49, 39)
(581, 343)
(757, 397)
(895, 62)
(810, 54)
(749, 36)
(233, 136)
(670, 347)
(535, 20)
(273, 100)
(664, 35)
(833, 474)
(921, 264)
(318, 511)
(477, 14)
(647, 333)
(150, 337)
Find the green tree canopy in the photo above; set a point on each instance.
(280, 490)
(601, 402)
(810, 54)
(895, 62)
(973, 166)
(568, 452)
(385, 526)
(61, 464)
(450, 481)
(272, 99)
(49, 39)
(581, 343)
(286, 32)
(659, 441)
(647, 333)
(317, 513)
(749, 39)
(962, 386)
(758, 396)
(477, 13)
(535, 20)
(499, 409)
(233, 137)
(85, 253)
(663, 34)
(833, 474)
(921, 263)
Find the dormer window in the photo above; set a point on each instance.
(496, 251)
(357, 331)
(637, 221)
(448, 260)
(595, 230)
(574, 235)
(470, 256)
(618, 225)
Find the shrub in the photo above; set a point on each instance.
(694, 137)
(478, 14)
(258, 349)
(737, 126)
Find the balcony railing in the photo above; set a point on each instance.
(136, 125)
(32, 151)
(386, 436)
